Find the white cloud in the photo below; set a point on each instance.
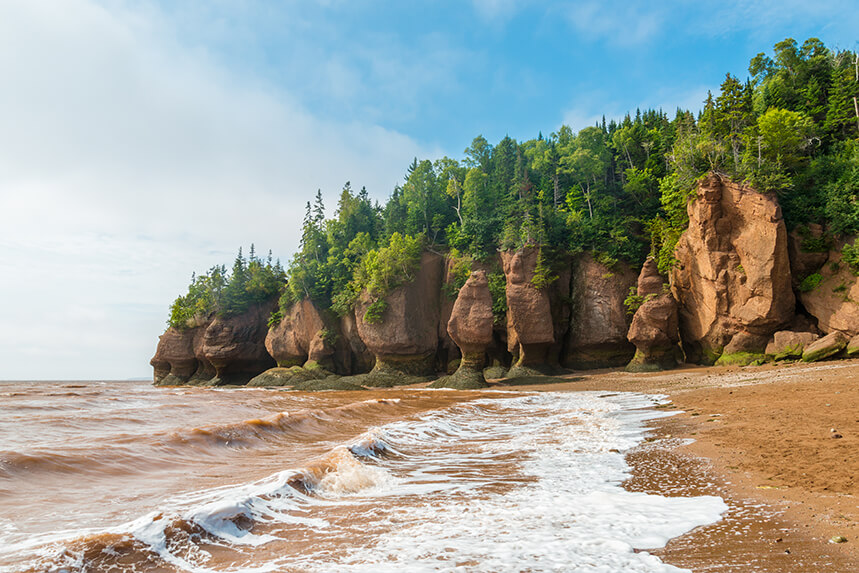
(617, 23)
(496, 10)
(128, 160)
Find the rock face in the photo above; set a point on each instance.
(406, 340)
(470, 324)
(789, 344)
(235, 345)
(360, 358)
(732, 280)
(853, 347)
(179, 357)
(302, 335)
(834, 300)
(826, 347)
(530, 330)
(598, 319)
(802, 261)
(655, 327)
(470, 327)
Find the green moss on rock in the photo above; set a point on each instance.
(462, 379)
(329, 383)
(739, 358)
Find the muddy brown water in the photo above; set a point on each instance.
(122, 476)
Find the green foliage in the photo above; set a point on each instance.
(810, 282)
(633, 301)
(384, 269)
(381, 271)
(460, 270)
(618, 189)
(850, 255)
(812, 244)
(251, 281)
(498, 290)
(375, 311)
(543, 275)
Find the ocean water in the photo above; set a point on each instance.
(110, 476)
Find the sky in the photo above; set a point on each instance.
(141, 141)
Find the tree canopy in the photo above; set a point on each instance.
(618, 188)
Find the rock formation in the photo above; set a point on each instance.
(235, 345)
(788, 344)
(598, 321)
(826, 347)
(404, 343)
(655, 326)
(530, 330)
(731, 300)
(852, 349)
(805, 261)
(470, 327)
(732, 280)
(830, 294)
(179, 357)
(302, 335)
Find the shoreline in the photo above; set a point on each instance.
(761, 438)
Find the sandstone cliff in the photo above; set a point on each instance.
(731, 299)
(598, 321)
(830, 294)
(655, 326)
(732, 281)
(305, 334)
(530, 328)
(470, 328)
(406, 339)
(235, 345)
(179, 357)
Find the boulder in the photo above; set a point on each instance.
(831, 296)
(235, 345)
(599, 322)
(292, 376)
(654, 330)
(404, 343)
(826, 347)
(853, 347)
(789, 344)
(470, 327)
(530, 329)
(732, 279)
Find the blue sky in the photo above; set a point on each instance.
(141, 141)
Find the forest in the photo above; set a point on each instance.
(617, 189)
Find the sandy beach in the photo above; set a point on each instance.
(778, 443)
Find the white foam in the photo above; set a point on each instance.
(572, 516)
(503, 484)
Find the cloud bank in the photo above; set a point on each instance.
(128, 160)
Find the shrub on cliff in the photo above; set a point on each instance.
(250, 281)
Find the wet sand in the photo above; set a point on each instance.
(765, 440)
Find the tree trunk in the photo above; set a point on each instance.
(557, 189)
(588, 199)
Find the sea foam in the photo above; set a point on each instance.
(525, 483)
